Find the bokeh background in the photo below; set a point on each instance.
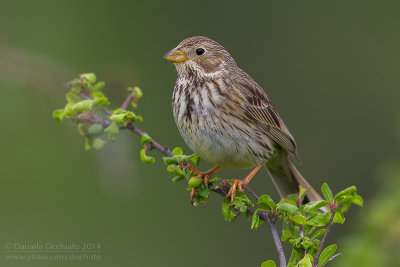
(331, 69)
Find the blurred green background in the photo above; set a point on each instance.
(330, 67)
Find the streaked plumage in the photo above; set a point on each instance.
(224, 115)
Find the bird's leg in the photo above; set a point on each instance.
(205, 175)
(239, 183)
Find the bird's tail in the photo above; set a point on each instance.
(287, 178)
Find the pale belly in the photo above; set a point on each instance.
(217, 136)
(226, 146)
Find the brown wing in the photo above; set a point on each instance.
(260, 111)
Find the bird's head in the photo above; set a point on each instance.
(201, 57)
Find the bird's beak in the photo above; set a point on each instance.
(176, 56)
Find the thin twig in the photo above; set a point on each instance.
(128, 101)
(271, 222)
(92, 120)
(301, 227)
(153, 144)
(272, 227)
(321, 244)
(79, 119)
(251, 192)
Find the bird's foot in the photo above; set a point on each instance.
(205, 175)
(240, 183)
(236, 184)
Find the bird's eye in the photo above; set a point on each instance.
(200, 51)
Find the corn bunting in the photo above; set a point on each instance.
(226, 118)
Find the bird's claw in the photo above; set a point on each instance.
(236, 184)
(205, 175)
(192, 193)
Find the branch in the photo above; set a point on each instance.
(153, 144)
(321, 244)
(128, 100)
(270, 221)
(272, 227)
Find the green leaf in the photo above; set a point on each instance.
(286, 235)
(302, 192)
(299, 219)
(255, 221)
(350, 191)
(345, 207)
(226, 210)
(98, 86)
(194, 159)
(318, 233)
(292, 199)
(88, 143)
(307, 243)
(179, 171)
(58, 114)
(145, 158)
(229, 216)
(293, 257)
(269, 263)
(266, 203)
(144, 139)
(82, 128)
(339, 218)
(296, 242)
(84, 105)
(314, 249)
(68, 111)
(357, 200)
(170, 168)
(112, 131)
(100, 102)
(327, 192)
(118, 117)
(306, 261)
(98, 143)
(170, 160)
(133, 104)
(213, 180)
(320, 219)
(177, 179)
(287, 208)
(241, 202)
(314, 206)
(72, 97)
(90, 77)
(98, 94)
(122, 116)
(137, 91)
(309, 256)
(204, 192)
(177, 151)
(327, 254)
(138, 118)
(195, 181)
(95, 129)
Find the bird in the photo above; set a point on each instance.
(227, 119)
